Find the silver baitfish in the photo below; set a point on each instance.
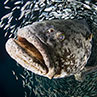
(53, 48)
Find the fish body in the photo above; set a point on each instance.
(52, 48)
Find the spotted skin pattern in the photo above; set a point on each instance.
(65, 47)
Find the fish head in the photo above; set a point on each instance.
(50, 48)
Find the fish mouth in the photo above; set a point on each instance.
(31, 53)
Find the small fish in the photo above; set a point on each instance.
(53, 48)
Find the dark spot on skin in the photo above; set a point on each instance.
(59, 65)
(66, 43)
(66, 54)
(78, 43)
(81, 59)
(40, 24)
(78, 51)
(65, 68)
(67, 36)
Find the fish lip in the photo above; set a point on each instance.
(38, 51)
(17, 52)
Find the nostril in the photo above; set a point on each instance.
(51, 30)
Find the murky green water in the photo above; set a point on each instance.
(21, 13)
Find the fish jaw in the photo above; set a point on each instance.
(18, 54)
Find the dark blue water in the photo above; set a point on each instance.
(9, 86)
(15, 81)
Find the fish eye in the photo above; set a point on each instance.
(51, 30)
(60, 36)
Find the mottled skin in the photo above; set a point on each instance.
(65, 47)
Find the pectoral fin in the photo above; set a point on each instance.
(89, 37)
(78, 77)
(87, 70)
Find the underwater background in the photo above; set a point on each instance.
(16, 81)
